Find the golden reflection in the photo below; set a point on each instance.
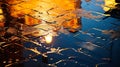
(1, 18)
(58, 13)
(48, 38)
(109, 4)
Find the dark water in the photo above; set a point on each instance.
(92, 46)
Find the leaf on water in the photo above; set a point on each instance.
(34, 50)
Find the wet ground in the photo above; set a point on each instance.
(97, 44)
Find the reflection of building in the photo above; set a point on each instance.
(112, 7)
(55, 12)
(60, 11)
(10, 52)
(109, 4)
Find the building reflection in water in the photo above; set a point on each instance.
(13, 52)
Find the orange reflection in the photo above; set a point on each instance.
(48, 38)
(1, 19)
(58, 11)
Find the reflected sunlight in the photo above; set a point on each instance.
(48, 38)
(109, 4)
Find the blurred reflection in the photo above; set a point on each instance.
(10, 53)
(26, 21)
(112, 7)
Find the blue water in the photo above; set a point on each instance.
(97, 49)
